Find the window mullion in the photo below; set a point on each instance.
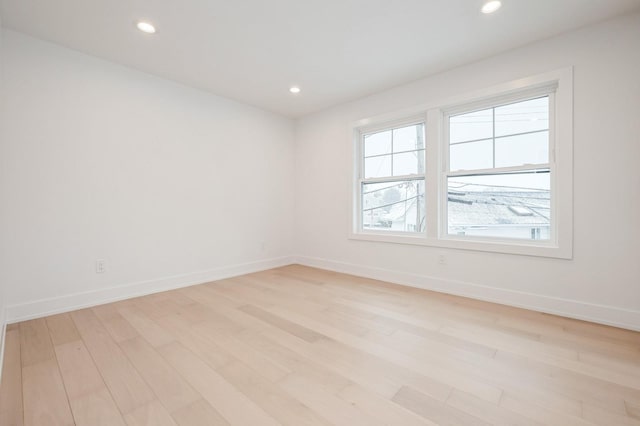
(432, 171)
(493, 138)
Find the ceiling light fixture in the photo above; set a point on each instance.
(294, 89)
(146, 27)
(491, 6)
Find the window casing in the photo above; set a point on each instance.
(497, 174)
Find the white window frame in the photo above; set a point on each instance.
(559, 86)
(359, 135)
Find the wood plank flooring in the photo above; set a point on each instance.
(301, 346)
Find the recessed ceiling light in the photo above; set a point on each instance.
(491, 6)
(294, 89)
(146, 27)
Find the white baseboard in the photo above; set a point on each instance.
(3, 330)
(55, 305)
(602, 314)
(4, 334)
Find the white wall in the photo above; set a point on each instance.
(2, 281)
(602, 282)
(168, 184)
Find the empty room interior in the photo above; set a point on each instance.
(355, 213)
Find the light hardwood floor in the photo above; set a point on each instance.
(301, 346)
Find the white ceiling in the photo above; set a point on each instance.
(335, 50)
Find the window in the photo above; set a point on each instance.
(489, 171)
(391, 184)
(499, 174)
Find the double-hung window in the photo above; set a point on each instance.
(498, 175)
(392, 178)
(488, 171)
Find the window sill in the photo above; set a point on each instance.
(540, 249)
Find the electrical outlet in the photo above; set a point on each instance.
(442, 259)
(101, 266)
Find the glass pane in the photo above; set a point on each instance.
(505, 206)
(531, 148)
(522, 117)
(377, 143)
(471, 126)
(393, 206)
(408, 163)
(377, 166)
(408, 138)
(471, 155)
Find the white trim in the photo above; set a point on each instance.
(601, 314)
(391, 124)
(495, 245)
(565, 74)
(71, 302)
(533, 91)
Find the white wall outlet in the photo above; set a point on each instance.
(442, 259)
(101, 266)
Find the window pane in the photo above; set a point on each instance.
(377, 166)
(471, 155)
(408, 138)
(522, 117)
(531, 148)
(471, 126)
(393, 206)
(506, 206)
(377, 143)
(408, 163)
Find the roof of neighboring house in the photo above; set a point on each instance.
(484, 206)
(499, 208)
